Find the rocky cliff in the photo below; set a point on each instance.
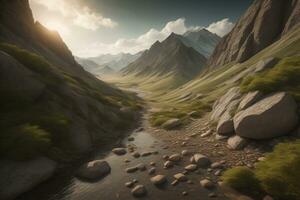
(264, 22)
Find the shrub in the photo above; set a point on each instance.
(279, 174)
(242, 179)
(283, 77)
(24, 142)
(158, 118)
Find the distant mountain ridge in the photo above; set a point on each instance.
(115, 62)
(201, 40)
(170, 56)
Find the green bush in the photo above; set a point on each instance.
(24, 142)
(279, 174)
(242, 179)
(283, 77)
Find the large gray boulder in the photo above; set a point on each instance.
(273, 116)
(225, 103)
(94, 170)
(249, 99)
(18, 177)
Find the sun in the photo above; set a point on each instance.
(58, 26)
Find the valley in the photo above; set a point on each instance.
(194, 114)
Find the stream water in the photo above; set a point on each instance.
(65, 186)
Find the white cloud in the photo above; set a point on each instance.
(221, 28)
(137, 44)
(81, 16)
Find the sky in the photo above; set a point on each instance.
(94, 27)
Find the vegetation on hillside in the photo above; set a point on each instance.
(40, 125)
(283, 77)
(183, 113)
(278, 175)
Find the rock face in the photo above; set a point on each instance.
(171, 124)
(255, 30)
(274, 116)
(225, 125)
(19, 177)
(265, 64)
(94, 170)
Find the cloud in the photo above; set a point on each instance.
(81, 16)
(144, 41)
(140, 43)
(221, 28)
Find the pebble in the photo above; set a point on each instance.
(184, 193)
(158, 179)
(146, 154)
(131, 169)
(139, 191)
(185, 153)
(216, 165)
(180, 177)
(206, 184)
(152, 163)
(126, 160)
(141, 167)
(165, 157)
(129, 184)
(218, 173)
(119, 151)
(134, 180)
(152, 170)
(191, 167)
(168, 164)
(136, 154)
(212, 195)
(175, 182)
(175, 157)
(131, 139)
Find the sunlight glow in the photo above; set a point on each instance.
(59, 27)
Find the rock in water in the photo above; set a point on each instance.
(158, 179)
(139, 191)
(18, 177)
(236, 142)
(273, 116)
(119, 151)
(94, 170)
(171, 124)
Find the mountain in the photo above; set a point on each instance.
(265, 22)
(168, 57)
(87, 64)
(52, 110)
(201, 40)
(116, 62)
(105, 70)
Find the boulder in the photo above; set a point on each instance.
(225, 125)
(158, 179)
(266, 64)
(171, 124)
(222, 104)
(18, 177)
(200, 160)
(94, 170)
(236, 142)
(119, 151)
(250, 99)
(273, 116)
(139, 191)
(168, 164)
